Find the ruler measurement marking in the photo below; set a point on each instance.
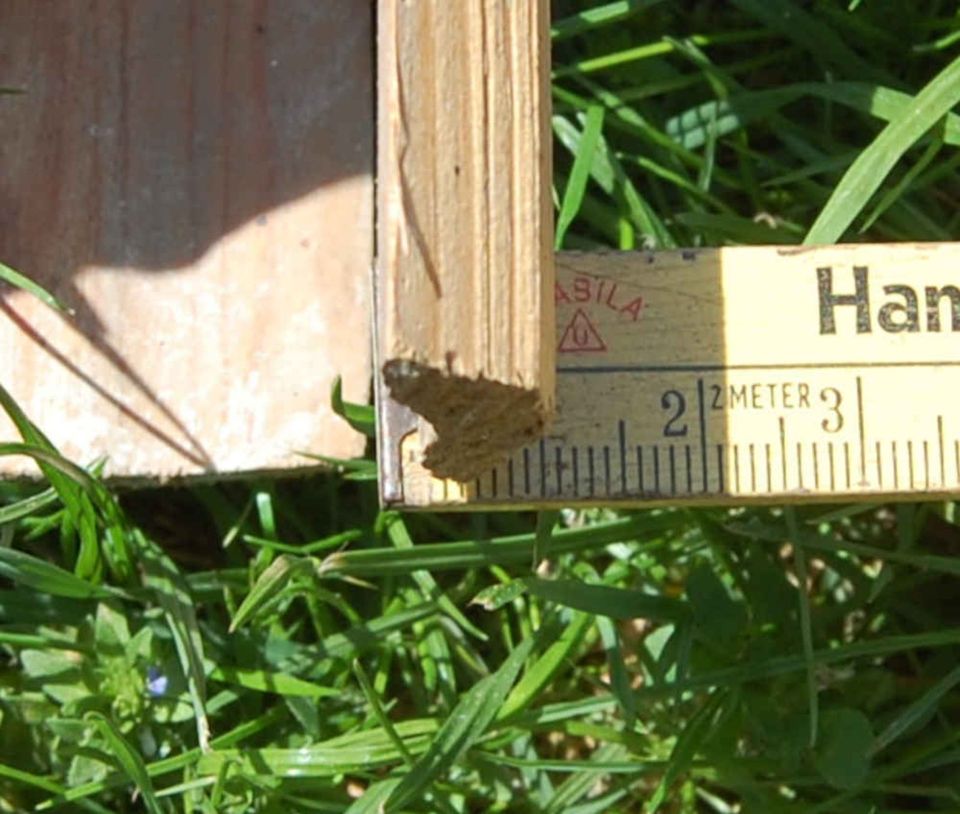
(783, 452)
(910, 462)
(543, 468)
(703, 433)
(606, 468)
(591, 471)
(943, 463)
(736, 466)
(862, 432)
(574, 457)
(720, 467)
(896, 473)
(698, 477)
(673, 469)
(623, 456)
(769, 467)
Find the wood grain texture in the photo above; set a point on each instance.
(194, 179)
(755, 374)
(465, 226)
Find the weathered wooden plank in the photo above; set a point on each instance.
(194, 179)
(465, 223)
(750, 374)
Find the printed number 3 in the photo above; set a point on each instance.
(674, 400)
(831, 397)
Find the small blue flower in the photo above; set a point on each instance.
(157, 682)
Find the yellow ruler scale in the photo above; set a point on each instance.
(731, 375)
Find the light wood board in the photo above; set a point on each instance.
(194, 179)
(733, 375)
(465, 231)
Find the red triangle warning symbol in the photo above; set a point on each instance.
(580, 336)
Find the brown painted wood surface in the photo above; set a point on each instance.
(465, 266)
(194, 180)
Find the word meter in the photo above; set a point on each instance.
(731, 375)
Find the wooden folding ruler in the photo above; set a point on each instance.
(711, 375)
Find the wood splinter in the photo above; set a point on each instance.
(465, 262)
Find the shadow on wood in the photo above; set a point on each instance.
(194, 179)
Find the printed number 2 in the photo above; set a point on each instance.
(674, 400)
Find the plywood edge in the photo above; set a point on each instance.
(465, 264)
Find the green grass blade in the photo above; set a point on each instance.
(28, 779)
(607, 171)
(592, 19)
(162, 577)
(731, 229)
(49, 459)
(308, 659)
(470, 718)
(338, 540)
(359, 416)
(373, 699)
(619, 675)
(129, 760)
(499, 551)
(374, 799)
(580, 173)
(28, 506)
(806, 625)
(690, 740)
(543, 534)
(76, 488)
(901, 188)
(603, 600)
(25, 569)
(578, 786)
(790, 20)
(545, 668)
(874, 164)
(494, 597)
(400, 537)
(921, 708)
(24, 283)
(279, 683)
(362, 751)
(174, 763)
(648, 51)
(269, 584)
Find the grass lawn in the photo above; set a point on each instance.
(288, 647)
